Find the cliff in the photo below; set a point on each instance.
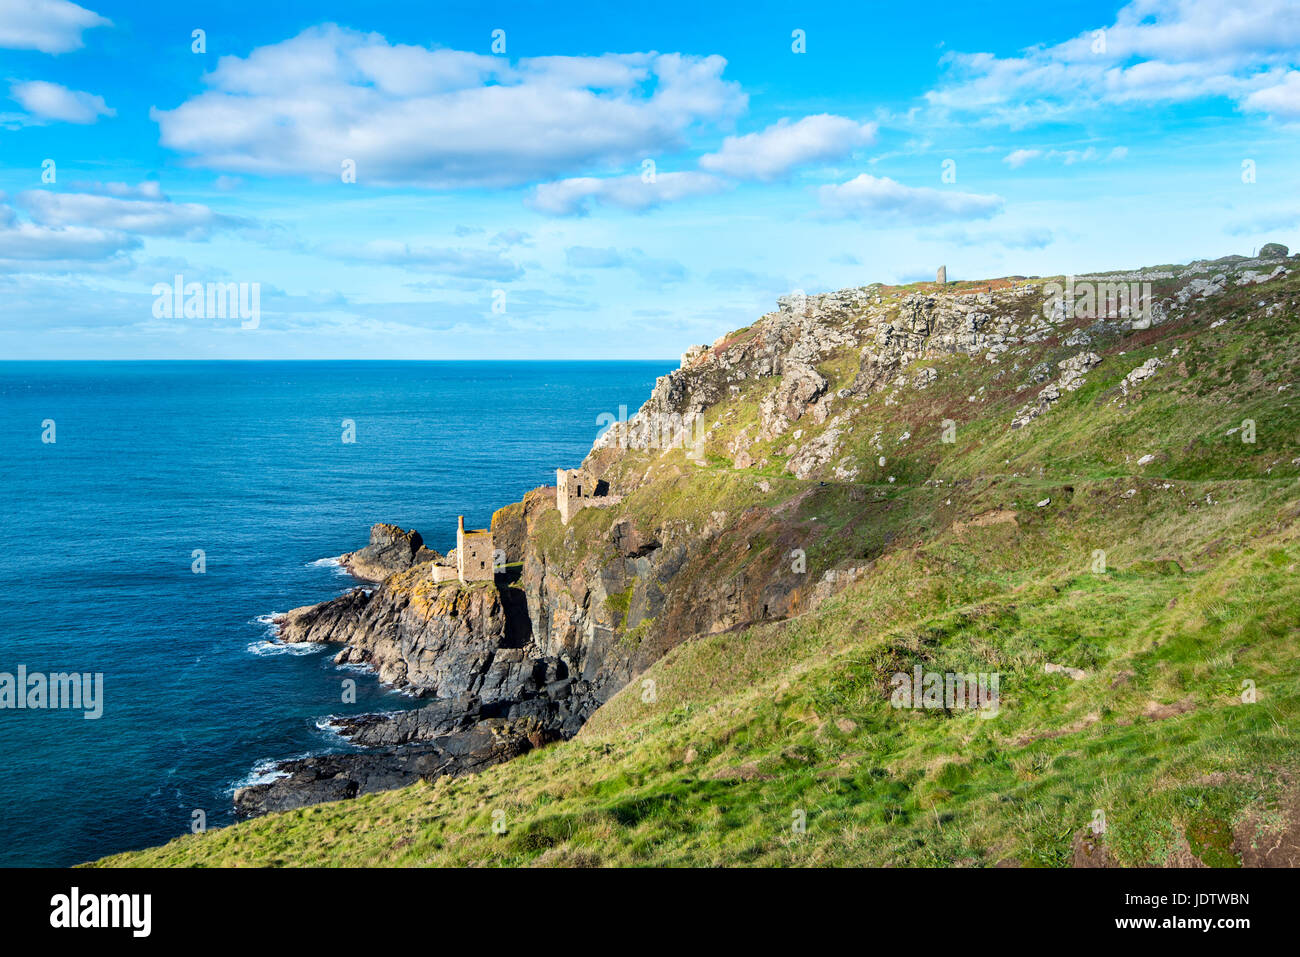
(998, 476)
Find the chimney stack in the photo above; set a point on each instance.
(942, 276)
(460, 524)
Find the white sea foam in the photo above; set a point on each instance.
(356, 667)
(264, 772)
(270, 646)
(333, 563)
(331, 727)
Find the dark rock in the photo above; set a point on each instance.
(391, 550)
(1274, 251)
(334, 777)
(630, 541)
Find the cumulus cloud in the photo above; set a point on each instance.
(774, 152)
(51, 26)
(31, 243)
(50, 101)
(142, 210)
(576, 196)
(1281, 99)
(440, 118)
(1156, 51)
(871, 197)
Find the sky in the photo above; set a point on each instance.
(543, 180)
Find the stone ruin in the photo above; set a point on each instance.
(471, 560)
(576, 489)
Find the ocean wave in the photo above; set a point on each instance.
(327, 723)
(270, 646)
(264, 772)
(333, 563)
(356, 667)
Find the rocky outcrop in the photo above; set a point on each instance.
(334, 777)
(1073, 370)
(495, 693)
(391, 550)
(800, 387)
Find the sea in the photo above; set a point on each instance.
(156, 514)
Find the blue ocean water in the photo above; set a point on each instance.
(244, 460)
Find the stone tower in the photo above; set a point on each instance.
(573, 487)
(942, 276)
(474, 555)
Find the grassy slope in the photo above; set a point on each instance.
(749, 728)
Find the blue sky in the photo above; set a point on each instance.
(622, 180)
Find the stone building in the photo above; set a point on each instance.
(474, 554)
(445, 569)
(576, 489)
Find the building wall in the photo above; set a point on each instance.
(474, 555)
(573, 490)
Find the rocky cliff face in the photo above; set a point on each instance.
(753, 486)
(495, 693)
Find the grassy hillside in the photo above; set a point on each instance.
(1170, 586)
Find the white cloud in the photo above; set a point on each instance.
(1018, 158)
(576, 196)
(51, 26)
(1281, 100)
(866, 197)
(777, 150)
(1156, 51)
(142, 210)
(32, 243)
(440, 118)
(50, 101)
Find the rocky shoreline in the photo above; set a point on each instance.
(494, 695)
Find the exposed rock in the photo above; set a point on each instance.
(800, 387)
(1076, 673)
(390, 550)
(334, 777)
(1072, 373)
(1140, 374)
